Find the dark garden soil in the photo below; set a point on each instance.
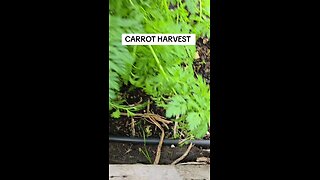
(202, 60)
(126, 153)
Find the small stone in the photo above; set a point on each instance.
(205, 40)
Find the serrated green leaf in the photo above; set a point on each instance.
(177, 106)
(116, 114)
(192, 6)
(193, 120)
(201, 131)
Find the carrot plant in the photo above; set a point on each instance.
(163, 72)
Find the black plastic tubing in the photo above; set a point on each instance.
(136, 140)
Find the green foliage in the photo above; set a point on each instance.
(120, 59)
(116, 114)
(164, 72)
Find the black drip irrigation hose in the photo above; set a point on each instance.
(154, 141)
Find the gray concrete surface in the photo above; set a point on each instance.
(190, 172)
(159, 172)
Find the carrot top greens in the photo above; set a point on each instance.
(163, 72)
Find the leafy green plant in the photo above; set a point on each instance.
(163, 72)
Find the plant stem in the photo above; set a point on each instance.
(144, 142)
(200, 10)
(158, 62)
(134, 52)
(166, 7)
(177, 13)
(132, 3)
(160, 67)
(188, 52)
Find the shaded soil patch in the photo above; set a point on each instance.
(120, 153)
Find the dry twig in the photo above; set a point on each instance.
(175, 127)
(183, 156)
(132, 127)
(158, 154)
(155, 119)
